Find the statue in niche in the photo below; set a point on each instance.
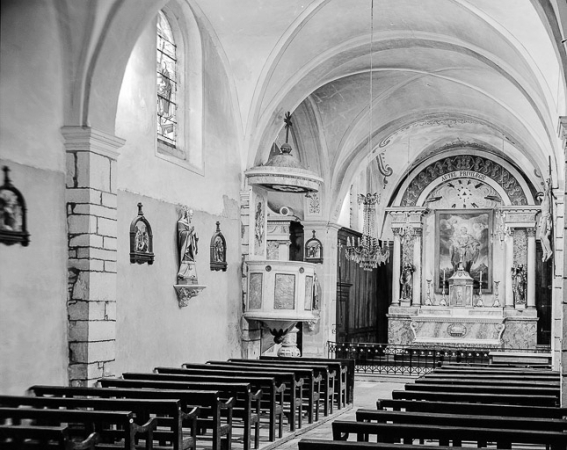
(464, 248)
(187, 241)
(259, 228)
(218, 250)
(519, 284)
(406, 280)
(141, 239)
(546, 222)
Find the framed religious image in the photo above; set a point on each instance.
(218, 250)
(314, 250)
(141, 239)
(13, 223)
(463, 236)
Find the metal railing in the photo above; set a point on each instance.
(390, 359)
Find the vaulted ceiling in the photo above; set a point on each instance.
(445, 73)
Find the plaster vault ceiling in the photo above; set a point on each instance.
(443, 71)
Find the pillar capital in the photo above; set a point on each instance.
(87, 139)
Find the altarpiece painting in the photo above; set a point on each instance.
(463, 236)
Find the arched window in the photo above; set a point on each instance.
(166, 82)
(179, 87)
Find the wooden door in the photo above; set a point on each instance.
(362, 298)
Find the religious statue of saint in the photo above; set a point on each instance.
(187, 240)
(406, 280)
(141, 240)
(464, 248)
(519, 284)
(219, 250)
(317, 291)
(546, 222)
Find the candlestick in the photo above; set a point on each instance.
(480, 284)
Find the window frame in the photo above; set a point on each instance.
(188, 151)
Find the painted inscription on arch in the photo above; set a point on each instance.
(464, 166)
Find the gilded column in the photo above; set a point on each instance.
(396, 268)
(417, 241)
(531, 300)
(508, 271)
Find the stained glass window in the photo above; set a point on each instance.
(166, 82)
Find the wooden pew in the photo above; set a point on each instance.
(124, 427)
(341, 367)
(169, 414)
(311, 380)
(295, 391)
(462, 420)
(188, 399)
(393, 432)
(246, 407)
(488, 376)
(272, 393)
(211, 407)
(19, 437)
(472, 408)
(497, 370)
(466, 381)
(328, 379)
(511, 399)
(320, 444)
(487, 389)
(459, 365)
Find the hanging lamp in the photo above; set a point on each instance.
(366, 251)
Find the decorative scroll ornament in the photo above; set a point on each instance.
(13, 225)
(218, 250)
(384, 168)
(501, 230)
(367, 252)
(314, 250)
(407, 232)
(141, 239)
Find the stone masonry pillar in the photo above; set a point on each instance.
(91, 198)
(316, 335)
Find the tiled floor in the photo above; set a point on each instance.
(366, 391)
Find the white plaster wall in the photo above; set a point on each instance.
(151, 328)
(33, 287)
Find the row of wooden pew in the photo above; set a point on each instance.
(174, 408)
(460, 405)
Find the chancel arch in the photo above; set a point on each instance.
(461, 164)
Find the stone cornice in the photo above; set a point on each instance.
(86, 139)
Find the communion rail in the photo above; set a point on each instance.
(389, 359)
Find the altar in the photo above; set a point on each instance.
(464, 256)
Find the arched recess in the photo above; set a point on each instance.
(105, 52)
(488, 168)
